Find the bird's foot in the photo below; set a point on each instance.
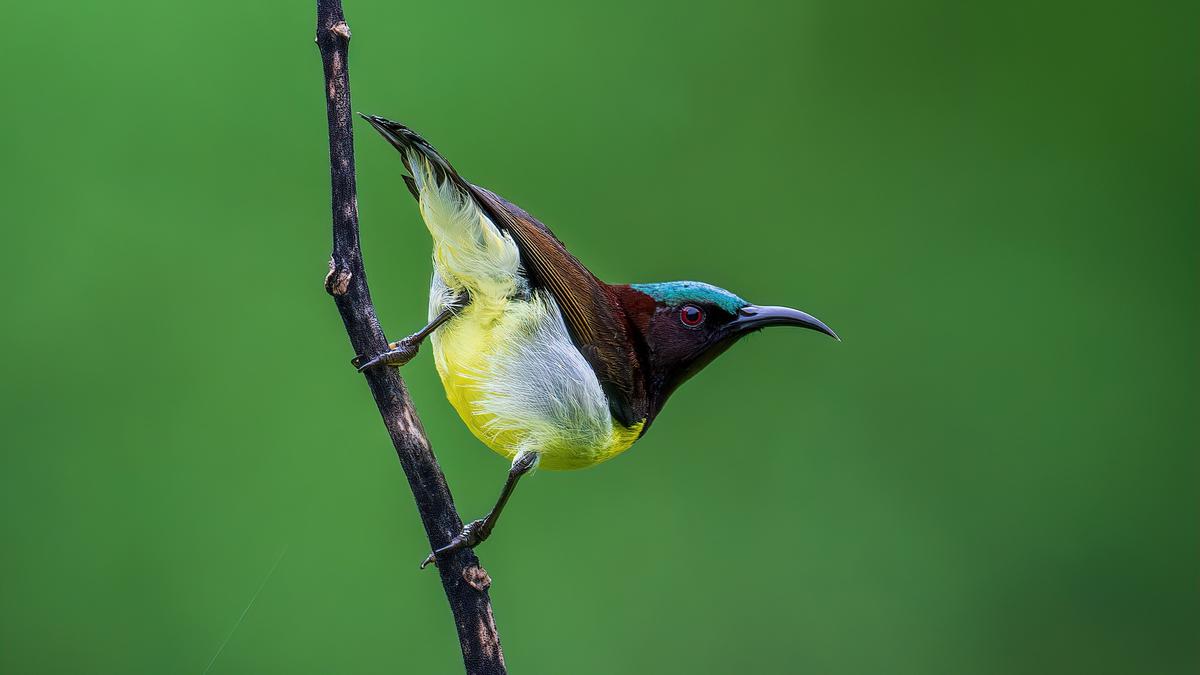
(398, 354)
(472, 535)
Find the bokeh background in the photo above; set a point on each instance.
(994, 203)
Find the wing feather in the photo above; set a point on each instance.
(593, 316)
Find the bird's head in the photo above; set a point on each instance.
(684, 325)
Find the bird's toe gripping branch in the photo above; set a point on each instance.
(398, 354)
(477, 531)
(403, 351)
(472, 535)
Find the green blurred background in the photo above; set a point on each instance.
(994, 203)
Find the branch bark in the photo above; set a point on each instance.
(465, 582)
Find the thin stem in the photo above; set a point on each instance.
(464, 580)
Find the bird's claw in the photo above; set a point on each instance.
(398, 354)
(473, 534)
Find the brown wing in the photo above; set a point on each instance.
(592, 314)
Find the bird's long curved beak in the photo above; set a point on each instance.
(754, 317)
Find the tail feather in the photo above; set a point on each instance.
(411, 184)
(469, 250)
(413, 149)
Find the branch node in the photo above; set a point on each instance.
(341, 29)
(477, 578)
(338, 279)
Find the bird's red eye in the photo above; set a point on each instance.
(691, 316)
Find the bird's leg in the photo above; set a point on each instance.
(477, 531)
(403, 351)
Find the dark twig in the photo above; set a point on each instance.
(464, 580)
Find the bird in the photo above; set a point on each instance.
(546, 364)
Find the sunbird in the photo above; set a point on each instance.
(546, 364)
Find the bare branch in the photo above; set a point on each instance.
(465, 582)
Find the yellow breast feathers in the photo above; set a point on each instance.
(518, 382)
